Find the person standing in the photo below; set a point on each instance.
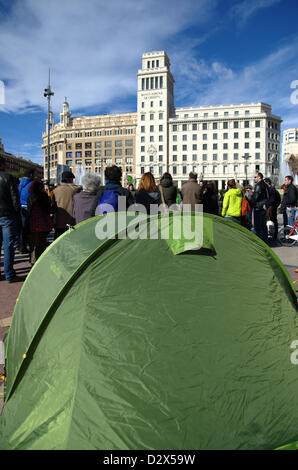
(232, 202)
(62, 197)
(260, 203)
(40, 222)
(148, 194)
(290, 200)
(83, 201)
(210, 199)
(9, 213)
(191, 192)
(107, 198)
(168, 190)
(274, 202)
(24, 186)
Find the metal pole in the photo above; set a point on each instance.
(48, 93)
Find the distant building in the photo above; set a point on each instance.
(92, 141)
(18, 165)
(290, 144)
(217, 142)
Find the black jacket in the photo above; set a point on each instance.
(290, 196)
(169, 191)
(260, 197)
(9, 195)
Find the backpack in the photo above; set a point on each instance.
(108, 201)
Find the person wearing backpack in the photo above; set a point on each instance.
(24, 186)
(107, 198)
(274, 202)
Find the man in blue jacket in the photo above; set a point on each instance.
(24, 186)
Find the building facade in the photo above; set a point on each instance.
(19, 165)
(93, 142)
(217, 142)
(290, 144)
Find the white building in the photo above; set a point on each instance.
(290, 144)
(217, 142)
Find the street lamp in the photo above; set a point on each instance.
(246, 157)
(47, 94)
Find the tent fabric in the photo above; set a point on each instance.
(141, 344)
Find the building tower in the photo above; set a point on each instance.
(155, 106)
(65, 115)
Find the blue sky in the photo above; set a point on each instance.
(221, 52)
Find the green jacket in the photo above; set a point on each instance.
(232, 202)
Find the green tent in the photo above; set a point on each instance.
(152, 343)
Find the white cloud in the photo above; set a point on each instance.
(241, 12)
(93, 48)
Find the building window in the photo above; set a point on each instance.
(88, 153)
(246, 123)
(225, 125)
(78, 154)
(184, 127)
(118, 152)
(108, 153)
(236, 155)
(142, 117)
(205, 126)
(68, 154)
(128, 151)
(214, 136)
(184, 158)
(175, 128)
(225, 156)
(258, 145)
(258, 123)
(108, 143)
(129, 143)
(258, 155)
(174, 170)
(204, 156)
(98, 145)
(151, 128)
(236, 124)
(98, 153)
(88, 145)
(78, 146)
(194, 158)
(142, 170)
(214, 125)
(184, 170)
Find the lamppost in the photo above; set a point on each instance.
(47, 94)
(246, 157)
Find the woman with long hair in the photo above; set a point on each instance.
(148, 193)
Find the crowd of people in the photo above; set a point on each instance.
(30, 209)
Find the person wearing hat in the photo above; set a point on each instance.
(62, 196)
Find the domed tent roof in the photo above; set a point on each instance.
(147, 344)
